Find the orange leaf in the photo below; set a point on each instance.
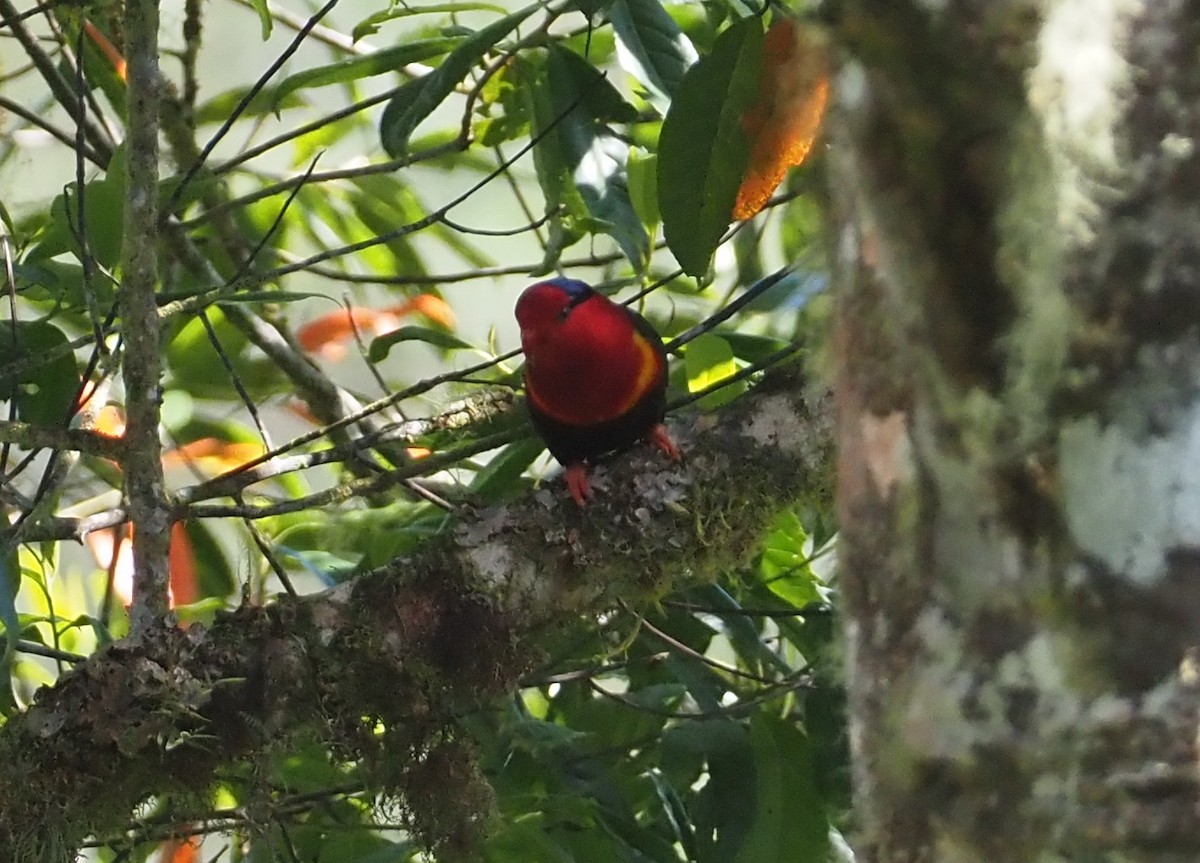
(107, 48)
(784, 122)
(211, 455)
(431, 306)
(185, 586)
(327, 335)
(110, 421)
(118, 541)
(180, 850)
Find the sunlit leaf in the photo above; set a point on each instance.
(369, 26)
(709, 360)
(703, 149)
(642, 172)
(651, 47)
(784, 566)
(267, 101)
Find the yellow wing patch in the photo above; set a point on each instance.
(648, 369)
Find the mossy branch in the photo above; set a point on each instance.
(408, 646)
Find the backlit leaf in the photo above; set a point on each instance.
(580, 162)
(407, 110)
(364, 66)
(651, 47)
(708, 360)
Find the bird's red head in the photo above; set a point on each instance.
(543, 307)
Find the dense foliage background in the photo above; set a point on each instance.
(350, 198)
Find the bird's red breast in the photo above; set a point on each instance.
(588, 360)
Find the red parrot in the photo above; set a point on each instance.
(595, 376)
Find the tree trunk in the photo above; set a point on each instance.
(1018, 265)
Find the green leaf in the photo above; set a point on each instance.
(267, 101)
(784, 567)
(197, 368)
(382, 345)
(272, 297)
(580, 162)
(708, 360)
(651, 47)
(409, 107)
(502, 474)
(586, 85)
(365, 66)
(10, 586)
(369, 26)
(264, 17)
(642, 170)
(44, 390)
(724, 808)
(330, 568)
(789, 816)
(703, 151)
(103, 210)
(215, 577)
(503, 107)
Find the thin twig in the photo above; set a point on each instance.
(243, 103)
(36, 119)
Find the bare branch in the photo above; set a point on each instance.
(142, 366)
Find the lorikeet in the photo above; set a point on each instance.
(595, 376)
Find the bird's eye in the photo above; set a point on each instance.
(570, 306)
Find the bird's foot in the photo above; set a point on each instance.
(661, 441)
(577, 482)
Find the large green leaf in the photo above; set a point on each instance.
(408, 108)
(703, 151)
(43, 390)
(651, 47)
(789, 815)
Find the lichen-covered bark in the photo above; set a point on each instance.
(1017, 187)
(408, 647)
